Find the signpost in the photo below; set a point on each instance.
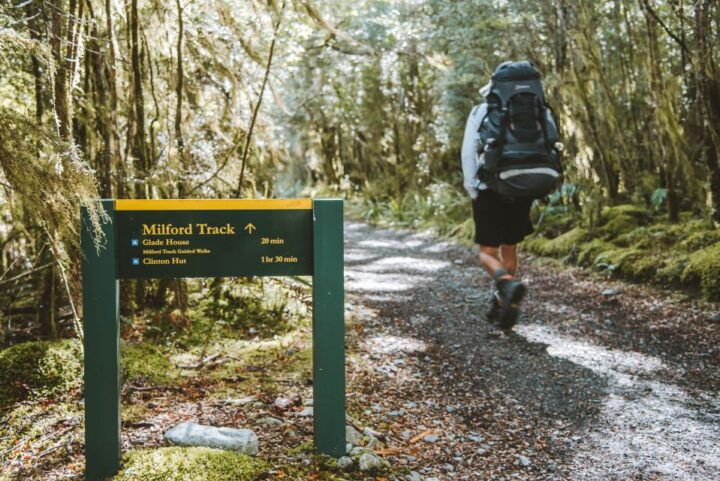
(211, 238)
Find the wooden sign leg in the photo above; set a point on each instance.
(328, 328)
(102, 346)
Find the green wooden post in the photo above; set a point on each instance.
(328, 328)
(102, 346)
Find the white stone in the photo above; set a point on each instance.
(269, 421)
(305, 413)
(369, 461)
(242, 401)
(192, 434)
(344, 462)
(374, 443)
(352, 436)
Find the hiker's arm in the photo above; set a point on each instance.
(469, 151)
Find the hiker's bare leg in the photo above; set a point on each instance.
(490, 261)
(508, 256)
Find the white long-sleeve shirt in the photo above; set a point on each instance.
(471, 161)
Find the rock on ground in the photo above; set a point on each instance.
(192, 434)
(344, 462)
(369, 462)
(353, 436)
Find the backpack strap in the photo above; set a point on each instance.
(482, 121)
(543, 123)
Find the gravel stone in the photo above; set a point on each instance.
(413, 476)
(345, 462)
(524, 461)
(610, 292)
(269, 421)
(352, 436)
(370, 462)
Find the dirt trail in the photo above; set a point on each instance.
(558, 397)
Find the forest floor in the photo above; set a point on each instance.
(600, 380)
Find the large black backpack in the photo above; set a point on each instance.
(518, 135)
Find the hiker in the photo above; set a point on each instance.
(510, 156)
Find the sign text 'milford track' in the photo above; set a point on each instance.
(189, 229)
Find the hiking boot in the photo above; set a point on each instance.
(493, 314)
(512, 292)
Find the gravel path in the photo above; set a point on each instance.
(559, 398)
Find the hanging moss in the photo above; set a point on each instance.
(38, 369)
(183, 464)
(703, 268)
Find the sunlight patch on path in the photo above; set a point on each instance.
(393, 344)
(395, 264)
(646, 426)
(381, 282)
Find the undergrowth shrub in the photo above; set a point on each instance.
(145, 363)
(629, 242)
(39, 369)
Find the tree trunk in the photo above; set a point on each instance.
(139, 150)
(183, 187)
(62, 103)
(709, 95)
(109, 69)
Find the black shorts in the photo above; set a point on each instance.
(500, 220)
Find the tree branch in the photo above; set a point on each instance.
(246, 149)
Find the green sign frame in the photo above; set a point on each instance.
(312, 234)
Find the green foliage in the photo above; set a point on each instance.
(589, 251)
(632, 244)
(621, 219)
(146, 363)
(560, 246)
(25, 428)
(183, 464)
(39, 369)
(242, 309)
(703, 268)
(439, 207)
(621, 260)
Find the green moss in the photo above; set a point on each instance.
(643, 266)
(39, 369)
(560, 246)
(622, 219)
(671, 270)
(703, 268)
(699, 235)
(145, 363)
(183, 464)
(262, 362)
(28, 425)
(620, 259)
(627, 243)
(240, 309)
(553, 223)
(590, 250)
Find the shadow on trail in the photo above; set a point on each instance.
(432, 290)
